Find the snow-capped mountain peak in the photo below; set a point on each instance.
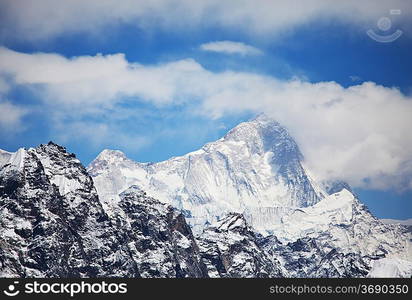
(341, 222)
(54, 224)
(254, 168)
(110, 155)
(264, 134)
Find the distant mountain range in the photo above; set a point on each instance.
(243, 206)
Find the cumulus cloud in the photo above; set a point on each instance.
(230, 47)
(100, 80)
(44, 19)
(360, 134)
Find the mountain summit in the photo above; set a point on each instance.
(243, 206)
(256, 169)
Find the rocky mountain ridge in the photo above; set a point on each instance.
(55, 223)
(255, 169)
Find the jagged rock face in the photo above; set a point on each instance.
(337, 237)
(255, 168)
(306, 257)
(51, 230)
(52, 224)
(231, 249)
(160, 241)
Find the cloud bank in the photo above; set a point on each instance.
(360, 134)
(44, 19)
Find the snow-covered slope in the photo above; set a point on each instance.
(4, 157)
(255, 169)
(52, 224)
(407, 222)
(309, 257)
(340, 221)
(231, 249)
(391, 267)
(45, 233)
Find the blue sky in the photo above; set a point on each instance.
(165, 95)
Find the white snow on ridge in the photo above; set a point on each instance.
(335, 209)
(341, 222)
(407, 222)
(5, 157)
(257, 170)
(17, 159)
(67, 179)
(255, 166)
(391, 268)
(60, 176)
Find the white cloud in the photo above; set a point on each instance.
(230, 47)
(91, 80)
(10, 116)
(44, 19)
(360, 134)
